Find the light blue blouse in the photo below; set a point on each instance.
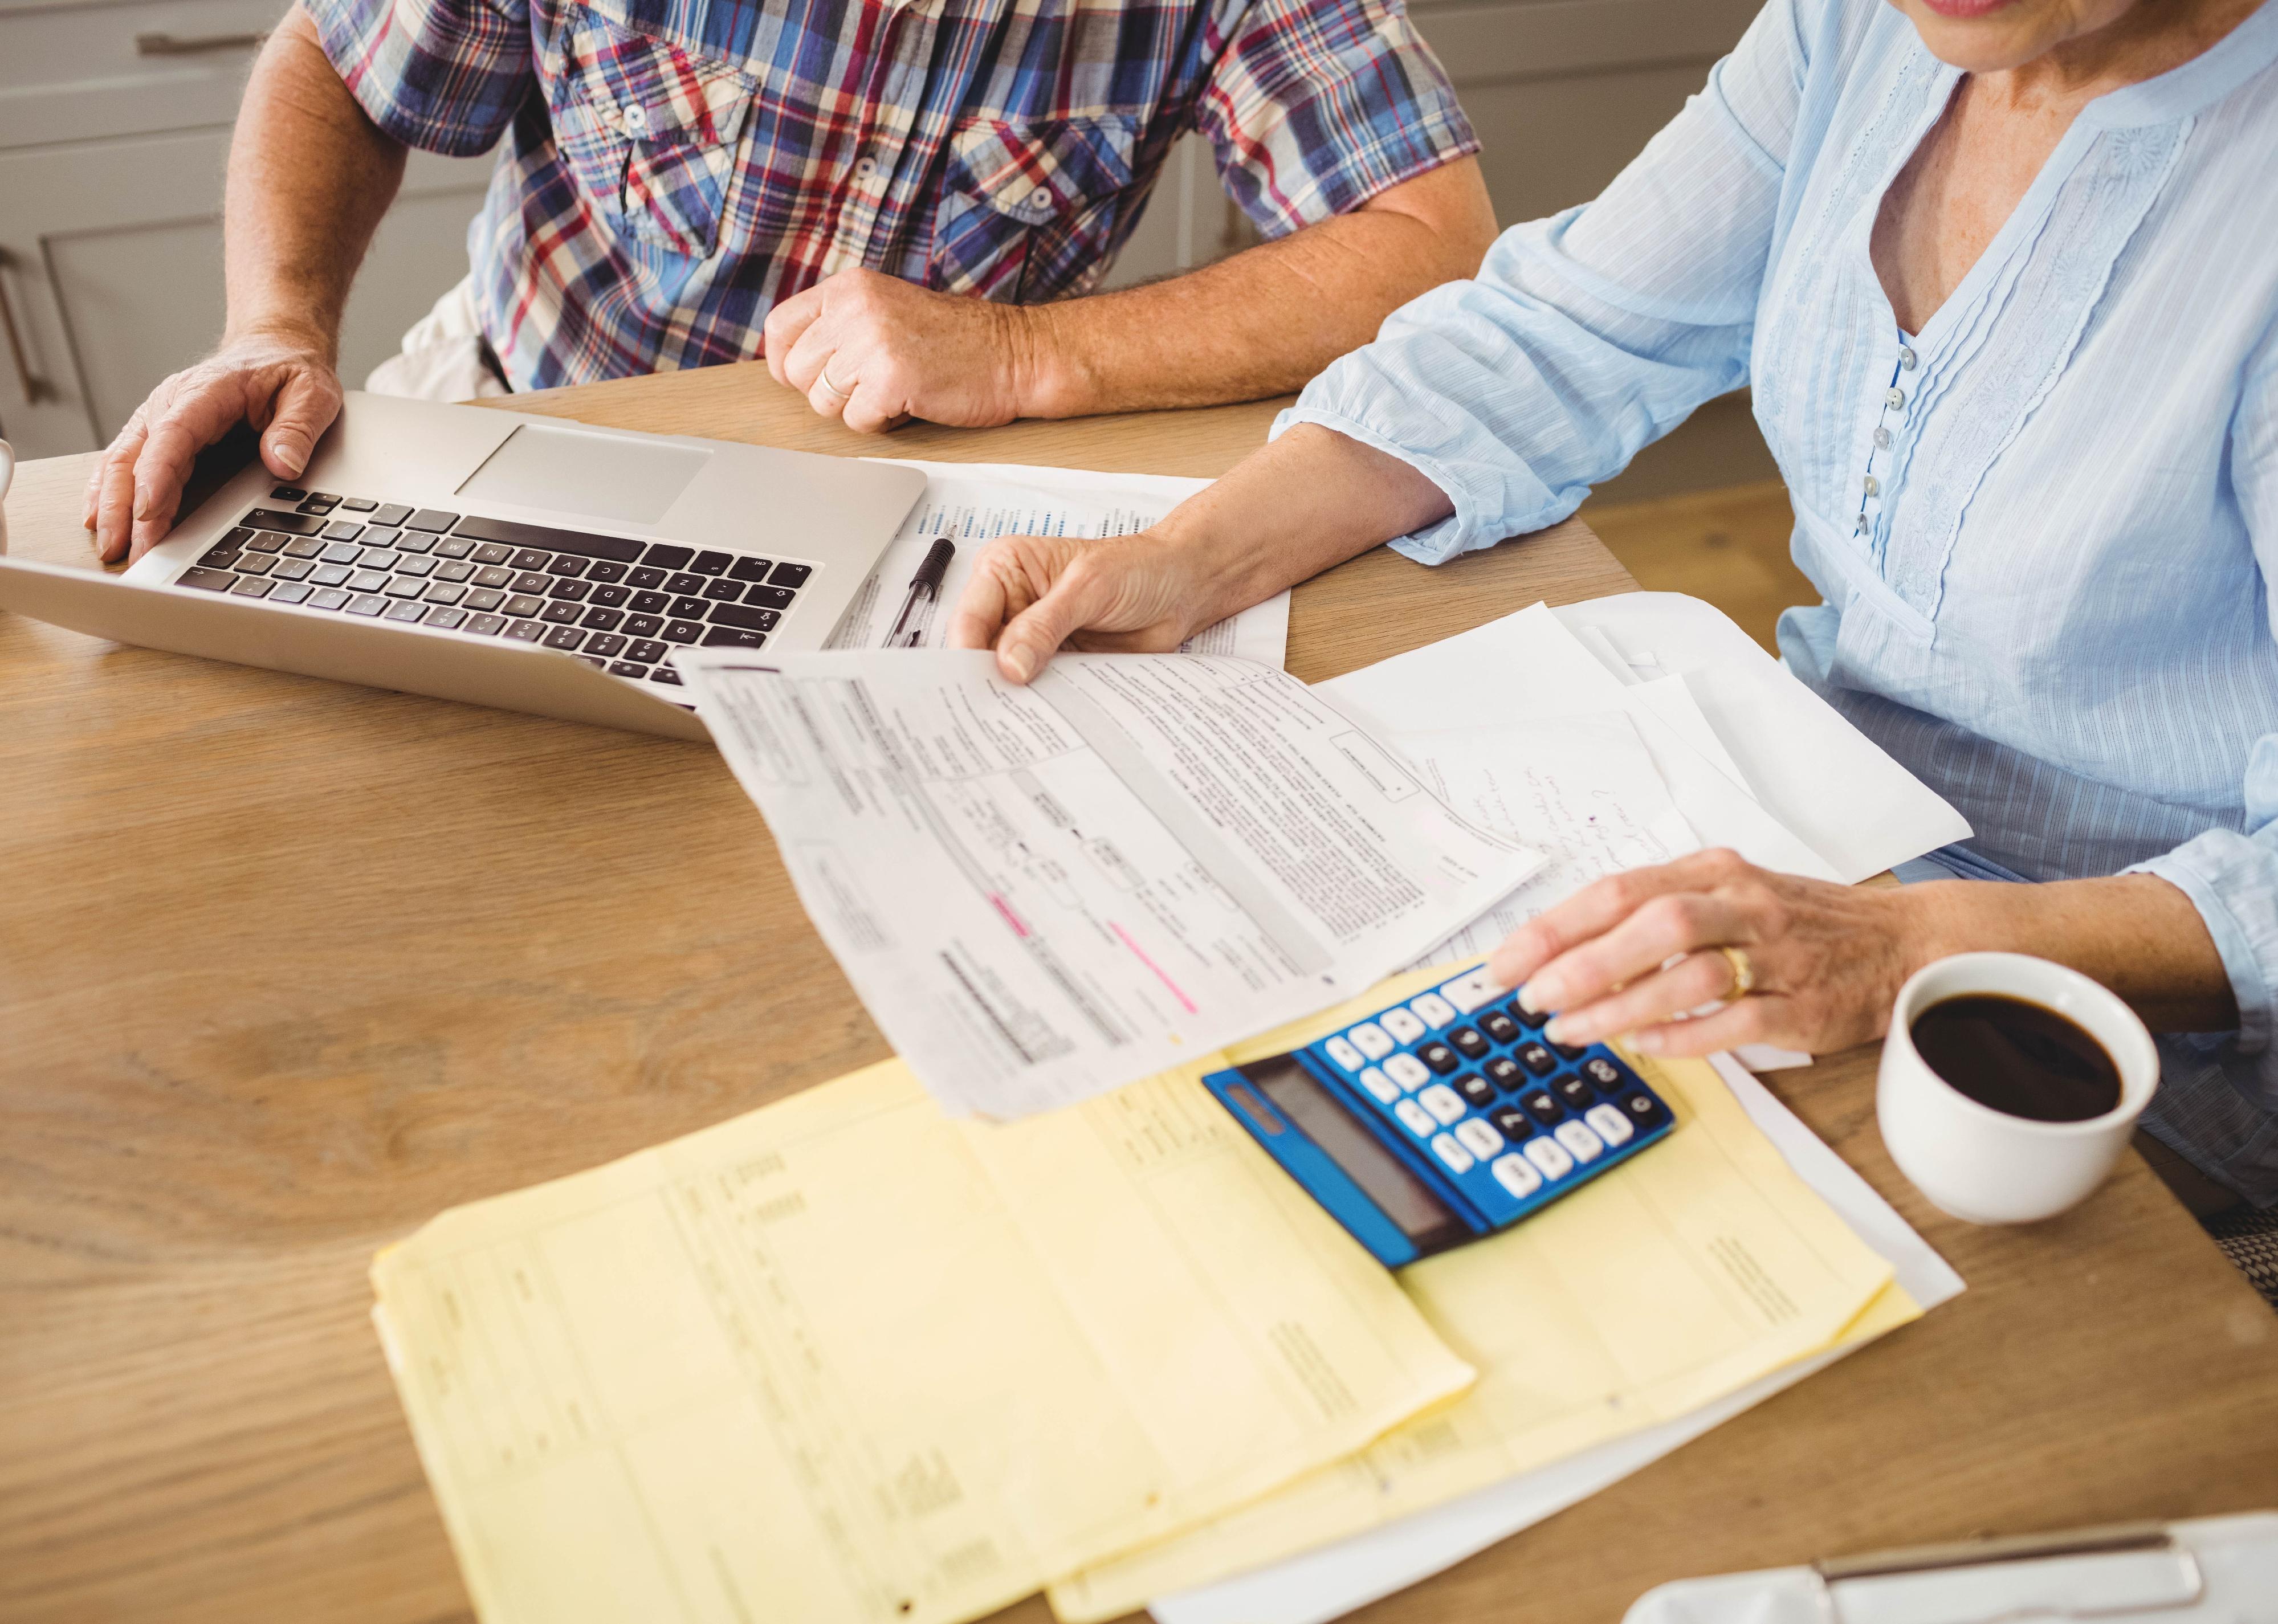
(2045, 528)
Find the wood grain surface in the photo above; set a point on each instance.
(286, 967)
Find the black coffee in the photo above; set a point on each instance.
(2017, 1058)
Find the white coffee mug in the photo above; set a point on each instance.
(7, 473)
(1983, 1165)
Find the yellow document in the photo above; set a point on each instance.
(844, 1358)
(1688, 1273)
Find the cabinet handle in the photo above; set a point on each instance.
(163, 44)
(36, 388)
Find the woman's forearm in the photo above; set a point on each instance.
(2136, 934)
(1310, 500)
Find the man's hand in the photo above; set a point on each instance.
(873, 350)
(285, 386)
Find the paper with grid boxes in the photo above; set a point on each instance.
(845, 1358)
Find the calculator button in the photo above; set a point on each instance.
(1576, 1136)
(1378, 1084)
(1469, 992)
(1345, 1054)
(1407, 1070)
(1434, 1009)
(1415, 1118)
(1521, 1017)
(1458, 1158)
(1612, 1126)
(1542, 1108)
(1644, 1110)
(1370, 1039)
(1569, 1051)
(1471, 1046)
(1506, 1070)
(1514, 1123)
(1477, 1093)
(1574, 1091)
(1546, 1154)
(1401, 1024)
(1439, 1057)
(1443, 1103)
(1605, 1073)
(1480, 1140)
(1499, 1027)
(1537, 1059)
(1515, 1176)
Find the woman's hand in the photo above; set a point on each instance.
(1130, 594)
(1828, 959)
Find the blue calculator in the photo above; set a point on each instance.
(1442, 1119)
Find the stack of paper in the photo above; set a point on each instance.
(844, 1358)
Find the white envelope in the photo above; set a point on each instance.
(1819, 775)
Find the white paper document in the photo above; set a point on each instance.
(1583, 789)
(1828, 783)
(1042, 893)
(1528, 667)
(1337, 1579)
(974, 503)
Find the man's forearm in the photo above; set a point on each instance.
(1263, 321)
(310, 177)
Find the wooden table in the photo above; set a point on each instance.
(288, 967)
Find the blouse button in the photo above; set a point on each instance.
(1873, 484)
(1896, 398)
(635, 117)
(865, 167)
(1041, 198)
(1906, 358)
(1881, 438)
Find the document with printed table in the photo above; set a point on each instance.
(844, 1358)
(968, 505)
(1042, 892)
(1673, 1282)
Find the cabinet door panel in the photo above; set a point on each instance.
(110, 253)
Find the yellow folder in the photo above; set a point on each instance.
(844, 1358)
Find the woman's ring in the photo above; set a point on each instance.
(840, 395)
(1744, 973)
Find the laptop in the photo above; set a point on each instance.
(499, 558)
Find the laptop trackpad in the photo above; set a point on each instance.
(577, 471)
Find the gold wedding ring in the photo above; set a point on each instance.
(1744, 973)
(831, 389)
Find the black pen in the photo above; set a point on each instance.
(925, 592)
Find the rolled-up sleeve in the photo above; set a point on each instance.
(1315, 106)
(2232, 876)
(442, 75)
(1589, 335)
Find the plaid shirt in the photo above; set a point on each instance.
(672, 168)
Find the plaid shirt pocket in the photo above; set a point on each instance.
(649, 130)
(1024, 201)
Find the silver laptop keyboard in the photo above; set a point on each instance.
(614, 603)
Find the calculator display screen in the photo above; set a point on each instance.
(1322, 1117)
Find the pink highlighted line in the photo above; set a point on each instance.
(1185, 1002)
(1011, 918)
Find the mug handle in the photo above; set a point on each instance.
(7, 476)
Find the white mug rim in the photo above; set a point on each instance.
(1902, 1028)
